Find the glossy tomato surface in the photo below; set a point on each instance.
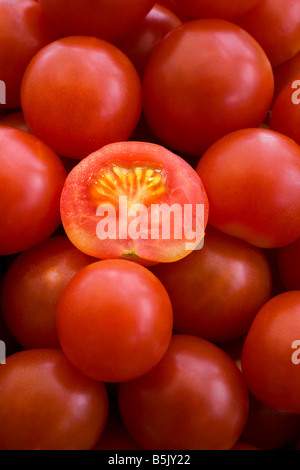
(285, 112)
(39, 391)
(139, 42)
(134, 200)
(270, 355)
(24, 30)
(149, 227)
(114, 320)
(217, 291)
(251, 178)
(93, 98)
(267, 428)
(275, 26)
(286, 72)
(165, 409)
(32, 287)
(206, 78)
(33, 177)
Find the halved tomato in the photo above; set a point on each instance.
(134, 200)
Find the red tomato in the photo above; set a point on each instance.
(16, 120)
(285, 73)
(24, 30)
(276, 27)
(32, 287)
(285, 112)
(155, 183)
(33, 177)
(252, 181)
(288, 265)
(205, 79)
(105, 19)
(47, 404)
(114, 320)
(267, 428)
(93, 98)
(217, 9)
(193, 399)
(217, 291)
(270, 353)
(142, 39)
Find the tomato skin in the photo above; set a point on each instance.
(285, 73)
(24, 30)
(275, 26)
(104, 19)
(32, 287)
(157, 405)
(39, 391)
(114, 320)
(141, 40)
(251, 179)
(33, 177)
(267, 428)
(15, 119)
(79, 212)
(268, 367)
(288, 265)
(94, 98)
(217, 291)
(285, 112)
(217, 9)
(184, 103)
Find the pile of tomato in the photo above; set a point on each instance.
(188, 339)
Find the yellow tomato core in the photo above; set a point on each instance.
(141, 183)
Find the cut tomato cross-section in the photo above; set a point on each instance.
(134, 200)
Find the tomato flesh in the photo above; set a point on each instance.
(138, 174)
